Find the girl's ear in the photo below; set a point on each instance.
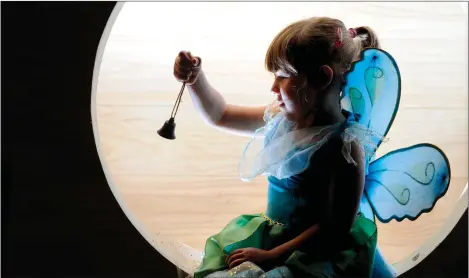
(326, 74)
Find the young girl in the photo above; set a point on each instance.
(313, 154)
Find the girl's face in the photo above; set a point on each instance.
(290, 93)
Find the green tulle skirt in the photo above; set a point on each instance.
(354, 259)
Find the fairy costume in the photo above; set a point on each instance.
(292, 161)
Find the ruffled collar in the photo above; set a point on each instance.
(280, 151)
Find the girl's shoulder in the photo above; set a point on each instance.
(358, 141)
(351, 141)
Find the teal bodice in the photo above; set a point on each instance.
(284, 202)
(298, 201)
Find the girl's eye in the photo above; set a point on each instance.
(281, 75)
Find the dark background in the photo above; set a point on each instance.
(59, 217)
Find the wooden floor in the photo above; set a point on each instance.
(188, 189)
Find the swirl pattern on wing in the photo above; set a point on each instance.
(374, 82)
(407, 182)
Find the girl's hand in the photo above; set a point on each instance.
(253, 255)
(187, 67)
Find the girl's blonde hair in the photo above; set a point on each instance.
(306, 45)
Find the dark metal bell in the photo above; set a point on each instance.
(167, 131)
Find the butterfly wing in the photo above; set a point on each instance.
(372, 91)
(381, 267)
(404, 183)
(407, 182)
(366, 209)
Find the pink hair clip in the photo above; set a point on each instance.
(338, 43)
(353, 32)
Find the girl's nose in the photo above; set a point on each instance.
(275, 88)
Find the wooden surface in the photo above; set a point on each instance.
(188, 189)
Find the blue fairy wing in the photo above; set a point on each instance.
(372, 91)
(365, 208)
(407, 182)
(381, 268)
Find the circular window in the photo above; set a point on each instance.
(180, 192)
